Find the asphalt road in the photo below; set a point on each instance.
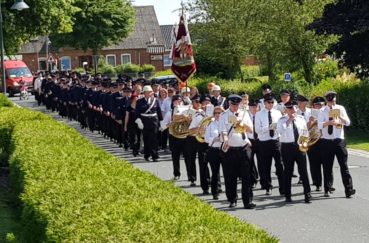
(333, 219)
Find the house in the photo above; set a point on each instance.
(145, 45)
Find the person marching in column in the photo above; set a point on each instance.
(148, 110)
(290, 127)
(233, 126)
(265, 126)
(331, 121)
(130, 126)
(213, 155)
(216, 98)
(315, 151)
(254, 139)
(285, 97)
(176, 145)
(266, 89)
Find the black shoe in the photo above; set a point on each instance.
(307, 198)
(294, 176)
(193, 184)
(215, 197)
(135, 153)
(331, 189)
(288, 199)
(176, 178)
(299, 182)
(205, 193)
(155, 160)
(233, 204)
(147, 159)
(268, 192)
(220, 190)
(326, 194)
(250, 205)
(349, 193)
(318, 188)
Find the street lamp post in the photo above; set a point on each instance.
(18, 5)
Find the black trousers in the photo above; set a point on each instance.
(290, 155)
(237, 164)
(150, 143)
(177, 147)
(215, 160)
(255, 151)
(134, 135)
(332, 148)
(270, 150)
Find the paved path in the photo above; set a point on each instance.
(334, 219)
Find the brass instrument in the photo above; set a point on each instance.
(200, 134)
(178, 128)
(305, 142)
(238, 125)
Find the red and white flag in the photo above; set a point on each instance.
(183, 62)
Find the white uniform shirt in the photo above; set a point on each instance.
(165, 106)
(196, 119)
(37, 85)
(235, 139)
(286, 131)
(212, 132)
(262, 124)
(324, 117)
(306, 114)
(250, 135)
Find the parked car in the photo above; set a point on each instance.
(171, 80)
(17, 72)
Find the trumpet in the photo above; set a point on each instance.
(335, 115)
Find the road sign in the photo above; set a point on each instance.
(287, 77)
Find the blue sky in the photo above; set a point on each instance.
(164, 9)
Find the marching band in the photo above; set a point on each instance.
(239, 135)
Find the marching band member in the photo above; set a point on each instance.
(302, 108)
(216, 98)
(148, 110)
(213, 156)
(265, 126)
(290, 127)
(285, 97)
(266, 89)
(245, 102)
(130, 127)
(331, 121)
(237, 147)
(254, 139)
(314, 153)
(185, 92)
(176, 145)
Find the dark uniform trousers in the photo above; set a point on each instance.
(255, 151)
(268, 150)
(213, 156)
(237, 164)
(332, 148)
(193, 147)
(134, 135)
(150, 143)
(177, 147)
(290, 155)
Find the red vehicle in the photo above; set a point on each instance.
(16, 71)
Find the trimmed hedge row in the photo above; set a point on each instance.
(72, 191)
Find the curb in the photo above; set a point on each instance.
(357, 152)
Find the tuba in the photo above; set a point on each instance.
(305, 142)
(200, 135)
(178, 128)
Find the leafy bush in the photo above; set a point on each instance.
(147, 68)
(79, 70)
(163, 73)
(325, 69)
(250, 71)
(72, 191)
(4, 102)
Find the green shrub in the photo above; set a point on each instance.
(250, 71)
(163, 73)
(79, 70)
(325, 69)
(4, 102)
(72, 191)
(147, 68)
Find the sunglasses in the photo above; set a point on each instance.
(270, 102)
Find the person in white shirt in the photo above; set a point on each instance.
(285, 97)
(302, 108)
(266, 89)
(37, 88)
(331, 121)
(234, 124)
(213, 156)
(216, 98)
(253, 136)
(265, 126)
(290, 127)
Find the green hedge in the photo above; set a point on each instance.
(72, 191)
(4, 101)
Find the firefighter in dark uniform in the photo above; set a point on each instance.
(233, 125)
(290, 127)
(148, 110)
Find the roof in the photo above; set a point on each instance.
(167, 31)
(146, 28)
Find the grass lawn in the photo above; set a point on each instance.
(357, 139)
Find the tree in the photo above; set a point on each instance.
(350, 20)
(98, 24)
(43, 17)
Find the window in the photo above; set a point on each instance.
(110, 59)
(42, 63)
(126, 58)
(167, 61)
(65, 64)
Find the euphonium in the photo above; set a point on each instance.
(305, 142)
(200, 135)
(179, 128)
